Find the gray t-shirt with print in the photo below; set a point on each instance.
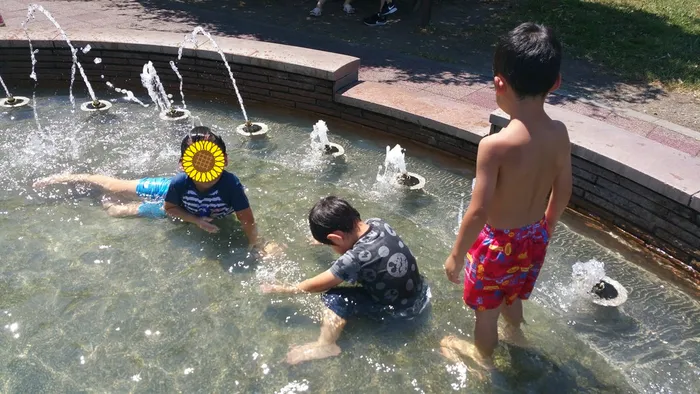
(383, 265)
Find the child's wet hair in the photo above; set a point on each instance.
(332, 214)
(201, 133)
(529, 58)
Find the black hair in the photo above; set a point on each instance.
(332, 214)
(529, 58)
(201, 133)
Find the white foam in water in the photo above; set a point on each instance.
(136, 378)
(394, 165)
(150, 80)
(319, 136)
(74, 52)
(583, 277)
(294, 387)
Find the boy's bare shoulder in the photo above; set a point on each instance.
(560, 128)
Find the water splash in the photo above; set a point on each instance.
(74, 52)
(319, 136)
(394, 165)
(192, 38)
(7, 92)
(150, 80)
(584, 276)
(129, 95)
(177, 72)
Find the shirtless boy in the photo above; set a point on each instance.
(506, 229)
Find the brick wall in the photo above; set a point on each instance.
(655, 219)
(201, 75)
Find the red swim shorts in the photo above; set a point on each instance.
(504, 264)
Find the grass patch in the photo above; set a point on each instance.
(656, 41)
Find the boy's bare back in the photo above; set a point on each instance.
(532, 156)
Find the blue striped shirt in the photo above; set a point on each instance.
(224, 198)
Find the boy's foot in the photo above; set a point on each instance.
(348, 9)
(375, 20)
(311, 351)
(315, 12)
(514, 336)
(388, 9)
(451, 344)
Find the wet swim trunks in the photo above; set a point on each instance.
(153, 190)
(504, 264)
(348, 302)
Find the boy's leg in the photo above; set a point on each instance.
(122, 210)
(513, 316)
(331, 328)
(107, 183)
(485, 340)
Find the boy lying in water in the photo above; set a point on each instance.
(197, 202)
(373, 256)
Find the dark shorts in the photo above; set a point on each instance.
(348, 302)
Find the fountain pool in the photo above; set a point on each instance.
(93, 303)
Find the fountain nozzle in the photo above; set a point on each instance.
(10, 100)
(96, 106)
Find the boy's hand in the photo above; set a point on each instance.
(204, 224)
(272, 249)
(453, 268)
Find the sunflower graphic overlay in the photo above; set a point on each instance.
(203, 161)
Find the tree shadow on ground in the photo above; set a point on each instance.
(456, 51)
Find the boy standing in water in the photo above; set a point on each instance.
(373, 256)
(506, 229)
(194, 201)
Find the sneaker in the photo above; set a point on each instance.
(348, 9)
(375, 20)
(315, 12)
(388, 9)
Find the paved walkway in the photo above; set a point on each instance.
(468, 82)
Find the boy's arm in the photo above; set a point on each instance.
(178, 212)
(487, 166)
(561, 188)
(248, 223)
(317, 284)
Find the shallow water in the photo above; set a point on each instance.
(93, 303)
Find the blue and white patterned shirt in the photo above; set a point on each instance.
(224, 198)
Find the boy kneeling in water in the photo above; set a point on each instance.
(373, 256)
(180, 197)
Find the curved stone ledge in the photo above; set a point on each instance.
(646, 189)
